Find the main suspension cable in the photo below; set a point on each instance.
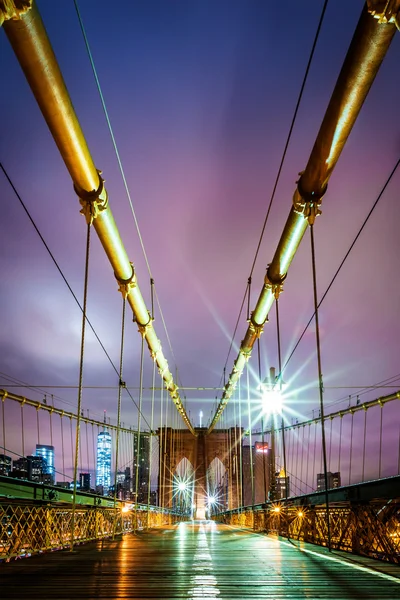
(296, 110)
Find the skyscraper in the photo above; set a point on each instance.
(47, 453)
(103, 471)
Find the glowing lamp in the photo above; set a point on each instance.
(212, 500)
(181, 486)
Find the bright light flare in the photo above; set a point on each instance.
(182, 486)
(272, 402)
(212, 500)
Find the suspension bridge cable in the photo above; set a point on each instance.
(55, 262)
(81, 362)
(121, 168)
(294, 117)
(64, 278)
(342, 263)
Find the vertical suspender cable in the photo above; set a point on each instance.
(365, 433)
(250, 436)
(321, 387)
(351, 444)
(380, 442)
(278, 335)
(161, 452)
(22, 429)
(262, 424)
(308, 455)
(241, 443)
(120, 385)
(151, 441)
(78, 421)
(340, 441)
(139, 424)
(62, 445)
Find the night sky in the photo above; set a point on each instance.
(200, 95)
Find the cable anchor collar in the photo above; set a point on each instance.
(93, 203)
(308, 203)
(386, 11)
(125, 286)
(13, 9)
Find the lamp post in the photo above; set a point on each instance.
(272, 387)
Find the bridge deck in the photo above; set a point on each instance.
(197, 560)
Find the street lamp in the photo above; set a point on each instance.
(272, 400)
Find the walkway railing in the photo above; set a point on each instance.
(368, 528)
(27, 529)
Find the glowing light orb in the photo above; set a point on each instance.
(181, 486)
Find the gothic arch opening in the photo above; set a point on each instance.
(183, 487)
(217, 486)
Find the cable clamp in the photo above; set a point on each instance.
(143, 328)
(94, 202)
(308, 203)
(255, 328)
(276, 287)
(13, 9)
(126, 285)
(386, 11)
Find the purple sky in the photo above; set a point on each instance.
(200, 95)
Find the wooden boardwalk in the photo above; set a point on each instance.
(197, 560)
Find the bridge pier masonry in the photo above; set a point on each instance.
(203, 453)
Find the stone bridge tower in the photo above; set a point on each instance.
(200, 451)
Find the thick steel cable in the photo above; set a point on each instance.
(121, 168)
(293, 121)
(321, 385)
(342, 263)
(82, 354)
(119, 402)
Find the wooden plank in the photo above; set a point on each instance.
(195, 560)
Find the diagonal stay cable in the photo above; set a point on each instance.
(342, 263)
(63, 276)
(121, 168)
(55, 262)
(296, 110)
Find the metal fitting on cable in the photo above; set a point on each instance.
(255, 328)
(308, 203)
(126, 285)
(275, 286)
(13, 9)
(386, 11)
(94, 202)
(142, 328)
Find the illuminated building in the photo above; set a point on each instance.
(333, 481)
(84, 481)
(47, 453)
(282, 489)
(260, 456)
(5, 464)
(103, 471)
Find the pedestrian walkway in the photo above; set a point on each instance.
(197, 559)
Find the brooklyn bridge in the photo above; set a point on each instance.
(200, 301)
